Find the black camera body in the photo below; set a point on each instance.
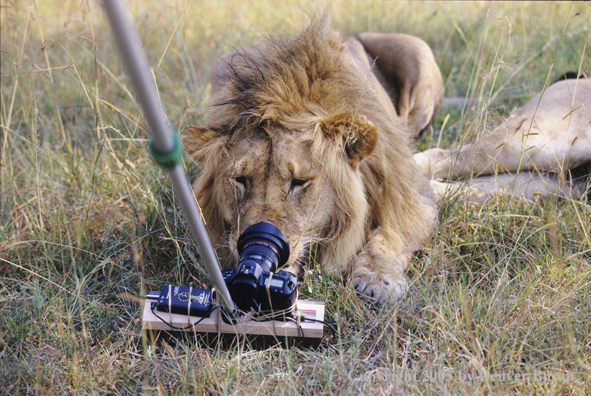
(262, 249)
(282, 291)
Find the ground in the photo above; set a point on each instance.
(498, 299)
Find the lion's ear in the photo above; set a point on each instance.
(195, 139)
(359, 135)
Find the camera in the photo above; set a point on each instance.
(262, 249)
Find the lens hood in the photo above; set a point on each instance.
(268, 234)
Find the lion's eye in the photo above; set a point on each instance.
(298, 184)
(240, 183)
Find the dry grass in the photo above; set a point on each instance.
(85, 214)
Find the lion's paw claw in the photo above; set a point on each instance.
(379, 289)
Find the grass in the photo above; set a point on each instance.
(85, 215)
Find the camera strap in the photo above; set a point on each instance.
(189, 300)
(219, 311)
(170, 302)
(267, 287)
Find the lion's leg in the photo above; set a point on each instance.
(525, 185)
(549, 134)
(407, 70)
(377, 272)
(476, 159)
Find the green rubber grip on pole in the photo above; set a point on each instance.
(170, 159)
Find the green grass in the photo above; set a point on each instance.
(85, 214)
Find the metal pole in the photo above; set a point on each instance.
(136, 62)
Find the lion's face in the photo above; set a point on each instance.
(283, 176)
(271, 179)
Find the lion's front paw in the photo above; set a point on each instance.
(373, 287)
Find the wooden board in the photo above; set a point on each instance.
(215, 324)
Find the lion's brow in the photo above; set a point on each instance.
(269, 163)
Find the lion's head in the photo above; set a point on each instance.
(297, 136)
(284, 175)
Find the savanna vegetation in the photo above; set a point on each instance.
(499, 299)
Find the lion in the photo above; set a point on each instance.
(542, 149)
(313, 133)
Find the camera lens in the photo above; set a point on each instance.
(262, 248)
(264, 244)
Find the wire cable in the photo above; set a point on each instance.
(189, 326)
(296, 322)
(148, 297)
(334, 333)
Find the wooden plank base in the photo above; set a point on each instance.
(215, 324)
